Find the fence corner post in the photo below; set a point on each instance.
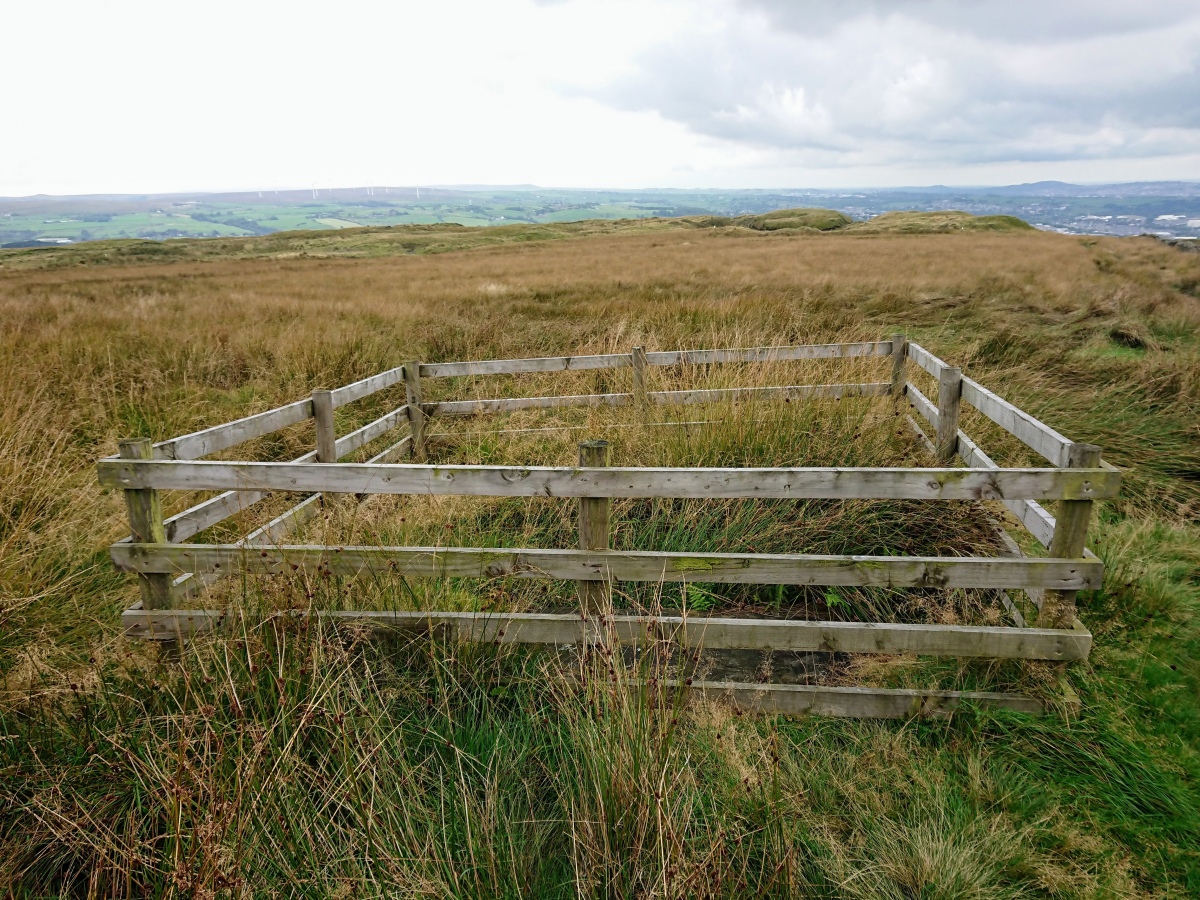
(593, 529)
(146, 527)
(899, 375)
(416, 411)
(1070, 538)
(949, 399)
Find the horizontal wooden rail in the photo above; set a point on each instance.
(710, 633)
(769, 354)
(281, 526)
(272, 533)
(1029, 431)
(631, 565)
(222, 437)
(566, 481)
(399, 450)
(369, 432)
(658, 358)
(1032, 432)
(482, 407)
(925, 360)
(1031, 514)
(922, 404)
(525, 366)
(367, 386)
(666, 398)
(786, 394)
(209, 512)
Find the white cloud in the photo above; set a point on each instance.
(848, 84)
(139, 96)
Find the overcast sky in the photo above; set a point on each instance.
(172, 96)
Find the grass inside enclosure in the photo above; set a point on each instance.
(287, 759)
(849, 432)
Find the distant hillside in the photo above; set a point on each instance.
(441, 238)
(1165, 208)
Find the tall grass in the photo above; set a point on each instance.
(287, 758)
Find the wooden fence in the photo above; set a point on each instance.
(169, 569)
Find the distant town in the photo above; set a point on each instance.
(1165, 208)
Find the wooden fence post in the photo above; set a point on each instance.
(638, 358)
(593, 528)
(322, 402)
(146, 525)
(416, 414)
(949, 398)
(899, 375)
(1070, 537)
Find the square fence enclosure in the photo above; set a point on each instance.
(616, 594)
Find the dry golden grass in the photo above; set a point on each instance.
(93, 354)
(147, 781)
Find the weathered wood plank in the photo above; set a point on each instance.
(483, 407)
(769, 354)
(326, 434)
(720, 395)
(363, 436)
(619, 565)
(593, 529)
(144, 507)
(788, 393)
(657, 358)
(1033, 433)
(169, 625)
(416, 407)
(921, 435)
(524, 366)
(1031, 514)
(195, 519)
(282, 526)
(359, 389)
(925, 359)
(562, 481)
(949, 402)
(399, 450)
(857, 702)
(720, 633)
(899, 355)
(637, 358)
(207, 513)
(204, 515)
(922, 404)
(222, 437)
(1069, 540)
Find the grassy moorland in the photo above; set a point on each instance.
(284, 758)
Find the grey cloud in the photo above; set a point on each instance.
(1024, 21)
(864, 82)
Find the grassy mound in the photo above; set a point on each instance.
(781, 219)
(941, 222)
